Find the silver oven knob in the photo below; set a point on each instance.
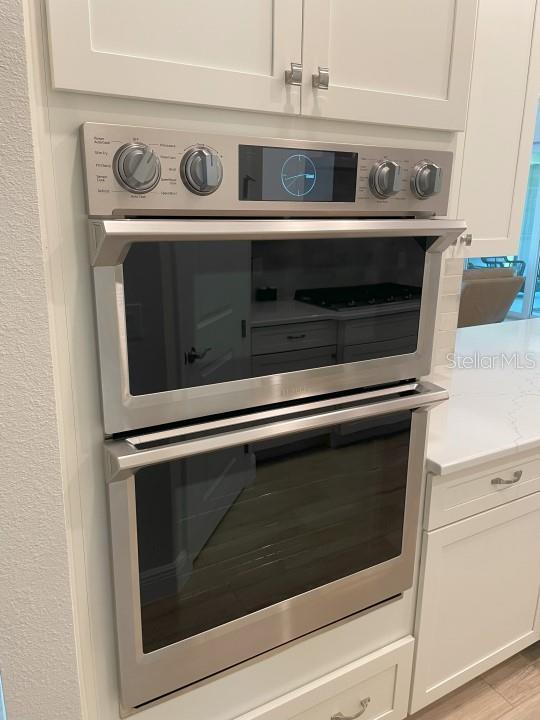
(201, 171)
(426, 179)
(384, 179)
(137, 167)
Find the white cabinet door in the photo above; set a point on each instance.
(231, 54)
(494, 122)
(478, 598)
(398, 63)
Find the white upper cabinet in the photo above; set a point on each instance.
(404, 63)
(490, 190)
(398, 63)
(231, 54)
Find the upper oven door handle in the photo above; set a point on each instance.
(124, 457)
(111, 239)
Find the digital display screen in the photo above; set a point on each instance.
(293, 175)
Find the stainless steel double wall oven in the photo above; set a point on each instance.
(266, 311)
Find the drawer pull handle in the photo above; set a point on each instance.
(363, 707)
(516, 477)
(296, 337)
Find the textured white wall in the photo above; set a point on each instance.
(37, 654)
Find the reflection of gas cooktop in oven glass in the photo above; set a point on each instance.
(343, 298)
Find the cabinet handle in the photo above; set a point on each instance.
(321, 80)
(296, 337)
(294, 75)
(467, 239)
(363, 706)
(516, 477)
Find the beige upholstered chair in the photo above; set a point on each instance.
(487, 295)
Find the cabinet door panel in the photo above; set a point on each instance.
(230, 54)
(190, 35)
(393, 63)
(376, 60)
(479, 595)
(492, 140)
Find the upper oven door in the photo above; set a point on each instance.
(202, 317)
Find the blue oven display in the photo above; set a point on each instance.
(288, 174)
(298, 175)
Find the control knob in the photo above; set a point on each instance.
(201, 171)
(384, 179)
(426, 179)
(137, 167)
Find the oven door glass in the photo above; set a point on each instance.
(205, 312)
(232, 537)
(230, 532)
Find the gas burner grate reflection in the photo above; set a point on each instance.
(343, 298)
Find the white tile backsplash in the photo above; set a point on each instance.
(447, 321)
(446, 340)
(451, 285)
(453, 266)
(449, 304)
(447, 318)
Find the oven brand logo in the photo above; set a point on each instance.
(286, 392)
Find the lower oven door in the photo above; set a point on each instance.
(231, 538)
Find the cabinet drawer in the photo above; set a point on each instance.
(294, 336)
(379, 682)
(456, 497)
(386, 348)
(293, 360)
(386, 327)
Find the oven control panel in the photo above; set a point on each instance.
(134, 171)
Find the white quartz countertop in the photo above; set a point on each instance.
(290, 311)
(494, 406)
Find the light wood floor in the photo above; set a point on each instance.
(510, 691)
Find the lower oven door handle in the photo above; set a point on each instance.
(126, 456)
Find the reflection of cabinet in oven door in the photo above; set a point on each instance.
(293, 346)
(392, 334)
(319, 343)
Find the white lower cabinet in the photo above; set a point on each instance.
(480, 584)
(374, 687)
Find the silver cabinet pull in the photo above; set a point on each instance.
(321, 80)
(363, 706)
(467, 239)
(516, 477)
(294, 75)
